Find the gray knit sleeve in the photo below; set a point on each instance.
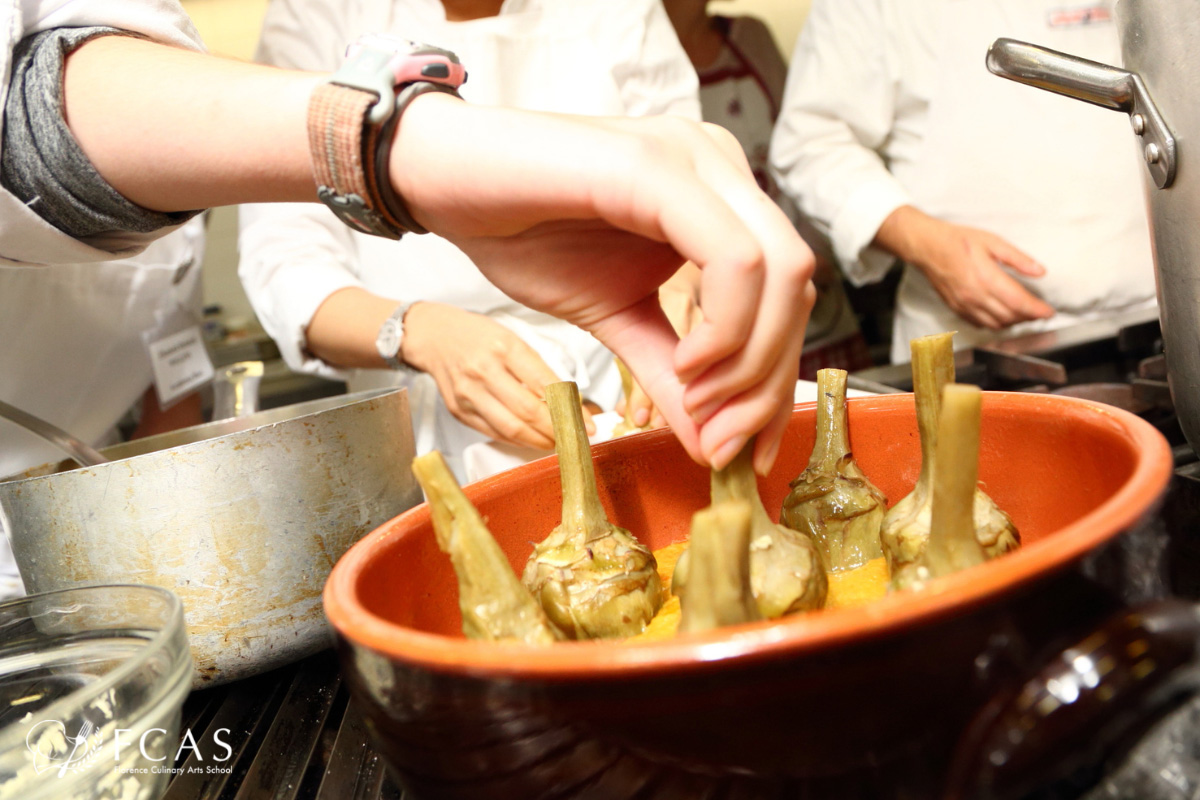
(43, 165)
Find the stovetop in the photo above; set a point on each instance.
(293, 736)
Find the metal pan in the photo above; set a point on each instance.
(242, 518)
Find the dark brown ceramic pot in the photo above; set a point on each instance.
(832, 703)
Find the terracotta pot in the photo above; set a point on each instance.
(820, 703)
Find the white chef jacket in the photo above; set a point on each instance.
(595, 57)
(72, 312)
(889, 103)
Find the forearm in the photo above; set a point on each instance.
(904, 234)
(343, 331)
(174, 130)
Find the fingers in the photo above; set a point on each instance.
(532, 374)
(779, 333)
(763, 410)
(504, 410)
(1023, 263)
(1007, 301)
(978, 288)
(643, 339)
(766, 447)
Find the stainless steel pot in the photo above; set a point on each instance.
(1160, 90)
(242, 518)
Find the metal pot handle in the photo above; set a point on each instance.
(1092, 82)
(1093, 692)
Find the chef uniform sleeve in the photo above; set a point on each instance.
(43, 165)
(837, 113)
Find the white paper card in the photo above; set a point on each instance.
(181, 364)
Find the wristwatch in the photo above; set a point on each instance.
(391, 337)
(351, 119)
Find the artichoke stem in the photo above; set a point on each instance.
(581, 501)
(952, 543)
(833, 443)
(737, 482)
(720, 569)
(932, 368)
(493, 602)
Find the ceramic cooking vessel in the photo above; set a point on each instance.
(813, 704)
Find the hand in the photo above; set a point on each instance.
(488, 376)
(966, 267)
(584, 218)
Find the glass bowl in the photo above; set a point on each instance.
(92, 681)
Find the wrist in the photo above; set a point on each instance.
(425, 121)
(905, 233)
(414, 350)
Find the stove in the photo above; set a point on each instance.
(292, 734)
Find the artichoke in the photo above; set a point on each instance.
(493, 602)
(832, 500)
(906, 526)
(720, 569)
(593, 579)
(952, 543)
(785, 568)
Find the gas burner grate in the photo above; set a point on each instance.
(291, 734)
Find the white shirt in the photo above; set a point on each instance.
(594, 57)
(889, 103)
(72, 351)
(71, 312)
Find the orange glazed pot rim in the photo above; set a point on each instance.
(798, 633)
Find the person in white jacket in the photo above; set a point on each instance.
(1013, 210)
(742, 75)
(74, 352)
(474, 361)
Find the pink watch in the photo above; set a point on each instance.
(351, 119)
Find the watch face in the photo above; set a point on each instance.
(388, 341)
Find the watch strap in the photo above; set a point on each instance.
(397, 318)
(350, 157)
(338, 140)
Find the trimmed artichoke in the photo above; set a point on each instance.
(719, 574)
(493, 602)
(952, 543)
(786, 575)
(593, 579)
(906, 526)
(832, 500)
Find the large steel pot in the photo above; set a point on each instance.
(1160, 90)
(242, 518)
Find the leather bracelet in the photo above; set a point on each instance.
(350, 157)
